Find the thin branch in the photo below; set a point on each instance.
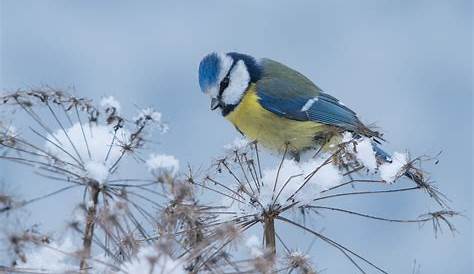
(342, 248)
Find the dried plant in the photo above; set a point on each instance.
(187, 222)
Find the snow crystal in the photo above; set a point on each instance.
(366, 154)
(151, 261)
(239, 80)
(389, 172)
(163, 163)
(110, 102)
(309, 104)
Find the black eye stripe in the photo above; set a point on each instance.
(225, 82)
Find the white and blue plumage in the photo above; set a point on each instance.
(275, 104)
(278, 106)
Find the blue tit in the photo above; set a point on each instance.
(274, 104)
(279, 107)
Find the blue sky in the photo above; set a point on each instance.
(405, 65)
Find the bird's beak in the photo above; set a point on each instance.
(215, 103)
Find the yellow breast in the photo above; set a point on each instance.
(271, 130)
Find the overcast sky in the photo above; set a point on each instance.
(405, 65)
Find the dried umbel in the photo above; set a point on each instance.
(300, 263)
(253, 195)
(69, 139)
(165, 221)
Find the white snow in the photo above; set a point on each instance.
(300, 254)
(364, 150)
(238, 144)
(149, 260)
(61, 257)
(99, 139)
(157, 163)
(326, 177)
(152, 115)
(346, 137)
(97, 170)
(309, 104)
(50, 259)
(90, 204)
(366, 154)
(389, 172)
(239, 80)
(110, 102)
(148, 113)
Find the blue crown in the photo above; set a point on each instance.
(209, 71)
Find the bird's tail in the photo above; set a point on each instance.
(369, 131)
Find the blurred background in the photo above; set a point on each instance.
(404, 65)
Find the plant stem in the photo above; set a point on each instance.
(89, 230)
(269, 234)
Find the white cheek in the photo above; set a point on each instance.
(239, 81)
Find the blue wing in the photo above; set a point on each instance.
(288, 93)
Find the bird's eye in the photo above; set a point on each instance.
(224, 84)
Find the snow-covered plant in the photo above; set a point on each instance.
(255, 195)
(73, 141)
(169, 221)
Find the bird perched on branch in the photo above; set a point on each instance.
(274, 104)
(278, 106)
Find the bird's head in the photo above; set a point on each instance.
(226, 77)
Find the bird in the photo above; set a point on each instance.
(279, 107)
